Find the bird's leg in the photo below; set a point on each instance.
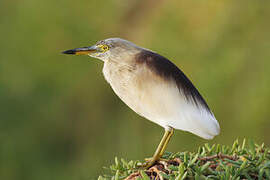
(170, 133)
(161, 147)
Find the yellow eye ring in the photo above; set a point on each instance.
(104, 47)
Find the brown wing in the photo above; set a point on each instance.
(167, 70)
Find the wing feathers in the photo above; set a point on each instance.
(165, 68)
(193, 114)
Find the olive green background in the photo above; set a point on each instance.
(61, 120)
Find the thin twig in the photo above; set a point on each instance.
(218, 156)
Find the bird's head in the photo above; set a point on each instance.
(112, 48)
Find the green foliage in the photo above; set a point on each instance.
(240, 161)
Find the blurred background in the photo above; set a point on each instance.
(61, 120)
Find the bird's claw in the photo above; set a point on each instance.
(159, 159)
(149, 162)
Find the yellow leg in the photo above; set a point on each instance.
(161, 147)
(166, 142)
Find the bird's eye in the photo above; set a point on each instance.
(104, 47)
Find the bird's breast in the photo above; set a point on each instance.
(144, 92)
(123, 80)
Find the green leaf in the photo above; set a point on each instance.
(207, 147)
(252, 147)
(184, 176)
(197, 176)
(144, 175)
(267, 173)
(218, 148)
(234, 146)
(116, 162)
(193, 160)
(243, 165)
(243, 144)
(181, 169)
(165, 175)
(185, 157)
(116, 176)
(205, 166)
(101, 178)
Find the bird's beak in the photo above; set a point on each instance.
(83, 51)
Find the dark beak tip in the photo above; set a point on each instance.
(69, 52)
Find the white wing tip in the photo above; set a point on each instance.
(214, 131)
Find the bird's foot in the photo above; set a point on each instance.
(159, 159)
(149, 162)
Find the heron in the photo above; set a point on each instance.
(153, 87)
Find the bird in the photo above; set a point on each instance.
(153, 87)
